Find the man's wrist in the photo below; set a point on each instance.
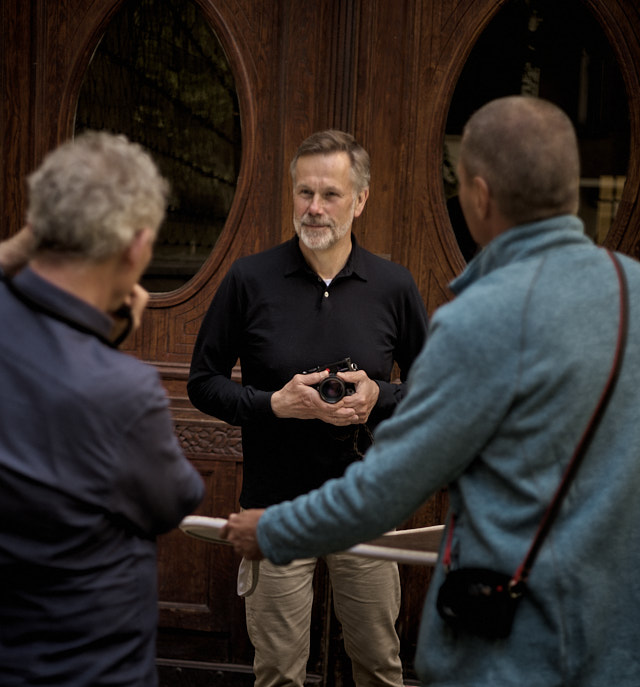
(274, 404)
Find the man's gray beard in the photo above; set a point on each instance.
(321, 240)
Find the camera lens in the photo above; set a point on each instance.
(331, 389)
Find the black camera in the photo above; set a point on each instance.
(479, 601)
(333, 389)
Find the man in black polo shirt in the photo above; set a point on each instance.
(314, 300)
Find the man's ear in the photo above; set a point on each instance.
(138, 250)
(481, 197)
(360, 202)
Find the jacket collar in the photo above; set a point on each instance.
(41, 295)
(519, 243)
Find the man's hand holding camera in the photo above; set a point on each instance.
(340, 396)
(365, 396)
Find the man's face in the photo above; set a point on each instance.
(324, 200)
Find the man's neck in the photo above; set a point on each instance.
(88, 281)
(328, 263)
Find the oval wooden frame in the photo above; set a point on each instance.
(624, 44)
(235, 54)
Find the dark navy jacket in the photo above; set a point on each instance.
(90, 473)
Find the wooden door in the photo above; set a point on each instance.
(385, 70)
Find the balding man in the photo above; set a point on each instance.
(499, 398)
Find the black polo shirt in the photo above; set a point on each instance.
(274, 314)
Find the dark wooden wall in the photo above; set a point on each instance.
(383, 69)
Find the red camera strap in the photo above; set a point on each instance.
(522, 573)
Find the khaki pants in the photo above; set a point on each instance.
(366, 597)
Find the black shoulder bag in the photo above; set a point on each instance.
(483, 602)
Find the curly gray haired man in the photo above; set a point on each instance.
(90, 469)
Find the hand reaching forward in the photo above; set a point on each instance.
(240, 531)
(17, 250)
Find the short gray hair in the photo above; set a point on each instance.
(527, 151)
(91, 195)
(334, 141)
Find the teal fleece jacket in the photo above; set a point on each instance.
(498, 399)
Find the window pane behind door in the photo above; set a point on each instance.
(557, 51)
(160, 76)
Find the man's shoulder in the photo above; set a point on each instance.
(268, 256)
(383, 268)
(117, 367)
(120, 383)
(266, 262)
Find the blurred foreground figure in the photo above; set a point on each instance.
(90, 469)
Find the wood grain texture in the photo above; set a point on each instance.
(386, 70)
